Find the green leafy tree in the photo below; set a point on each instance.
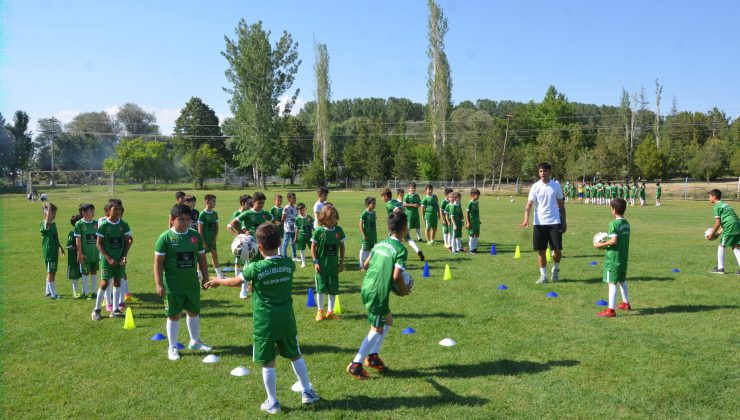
(196, 126)
(259, 74)
(90, 138)
(204, 163)
(140, 160)
(323, 98)
(649, 160)
(709, 162)
(297, 142)
(22, 142)
(427, 162)
(439, 81)
(735, 163)
(133, 121)
(6, 149)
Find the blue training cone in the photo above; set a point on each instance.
(502, 287)
(408, 330)
(602, 302)
(593, 263)
(425, 273)
(311, 302)
(552, 295)
(158, 337)
(675, 270)
(180, 346)
(493, 249)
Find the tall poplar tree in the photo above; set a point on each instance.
(323, 98)
(439, 82)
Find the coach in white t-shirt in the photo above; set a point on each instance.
(549, 220)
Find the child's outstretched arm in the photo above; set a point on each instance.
(214, 282)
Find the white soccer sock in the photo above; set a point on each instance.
(612, 295)
(74, 286)
(720, 257)
(736, 251)
(555, 267)
(53, 288)
(367, 343)
(48, 288)
(99, 299)
(124, 286)
(413, 245)
(376, 347)
(109, 293)
(270, 380)
(85, 289)
(320, 299)
(470, 243)
(475, 242)
(116, 297)
(303, 256)
(218, 272)
(245, 291)
(543, 271)
(301, 372)
(418, 234)
(362, 256)
(172, 329)
(623, 290)
(458, 243)
(332, 299)
(93, 282)
(193, 323)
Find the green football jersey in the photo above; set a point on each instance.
(277, 213)
(114, 237)
(431, 206)
(616, 255)
(209, 220)
(412, 213)
(369, 225)
(392, 205)
(272, 301)
(88, 234)
(235, 215)
(641, 192)
(473, 213)
(73, 268)
(376, 287)
(49, 241)
(727, 218)
(251, 219)
(443, 208)
(180, 251)
(454, 212)
(304, 226)
(327, 249)
(658, 191)
(600, 189)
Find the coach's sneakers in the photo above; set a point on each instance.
(356, 370)
(309, 396)
(173, 353)
(320, 315)
(199, 345)
(717, 270)
(270, 408)
(607, 313)
(374, 361)
(542, 280)
(95, 315)
(555, 275)
(625, 306)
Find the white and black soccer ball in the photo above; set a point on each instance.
(407, 280)
(708, 231)
(600, 237)
(244, 246)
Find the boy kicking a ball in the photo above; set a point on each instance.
(385, 266)
(176, 254)
(615, 265)
(274, 330)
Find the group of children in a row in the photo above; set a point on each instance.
(601, 193)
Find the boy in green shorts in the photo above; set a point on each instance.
(430, 210)
(472, 220)
(725, 217)
(445, 222)
(455, 218)
(208, 230)
(303, 232)
(368, 231)
(658, 193)
(615, 263)
(73, 268)
(385, 267)
(274, 326)
(114, 242)
(641, 194)
(50, 248)
(411, 204)
(86, 240)
(177, 252)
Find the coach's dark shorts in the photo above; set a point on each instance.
(547, 235)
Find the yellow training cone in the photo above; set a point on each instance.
(548, 254)
(128, 323)
(517, 253)
(448, 273)
(337, 306)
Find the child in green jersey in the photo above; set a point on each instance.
(208, 230)
(411, 204)
(327, 253)
(445, 220)
(50, 248)
(391, 204)
(274, 326)
(303, 232)
(245, 202)
(615, 263)
(177, 253)
(114, 242)
(73, 268)
(401, 194)
(455, 218)
(368, 231)
(277, 214)
(247, 222)
(658, 193)
(725, 217)
(641, 194)
(385, 267)
(430, 210)
(86, 249)
(472, 220)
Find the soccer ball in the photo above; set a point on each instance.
(600, 237)
(244, 246)
(407, 280)
(708, 231)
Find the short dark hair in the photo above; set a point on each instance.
(396, 222)
(179, 195)
(411, 184)
(544, 165)
(75, 218)
(209, 197)
(386, 193)
(180, 210)
(716, 193)
(369, 200)
(448, 190)
(474, 191)
(85, 207)
(429, 187)
(619, 206)
(189, 198)
(322, 191)
(245, 198)
(115, 202)
(279, 196)
(400, 191)
(268, 236)
(300, 206)
(258, 196)
(291, 195)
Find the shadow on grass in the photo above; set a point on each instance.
(308, 349)
(444, 396)
(153, 298)
(650, 278)
(444, 315)
(589, 281)
(499, 367)
(677, 309)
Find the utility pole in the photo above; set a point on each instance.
(503, 154)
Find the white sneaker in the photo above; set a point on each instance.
(303, 265)
(542, 280)
(555, 275)
(199, 345)
(309, 396)
(173, 354)
(243, 295)
(96, 315)
(273, 408)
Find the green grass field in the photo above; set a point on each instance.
(519, 354)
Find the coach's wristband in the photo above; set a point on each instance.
(316, 261)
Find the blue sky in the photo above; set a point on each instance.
(61, 58)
